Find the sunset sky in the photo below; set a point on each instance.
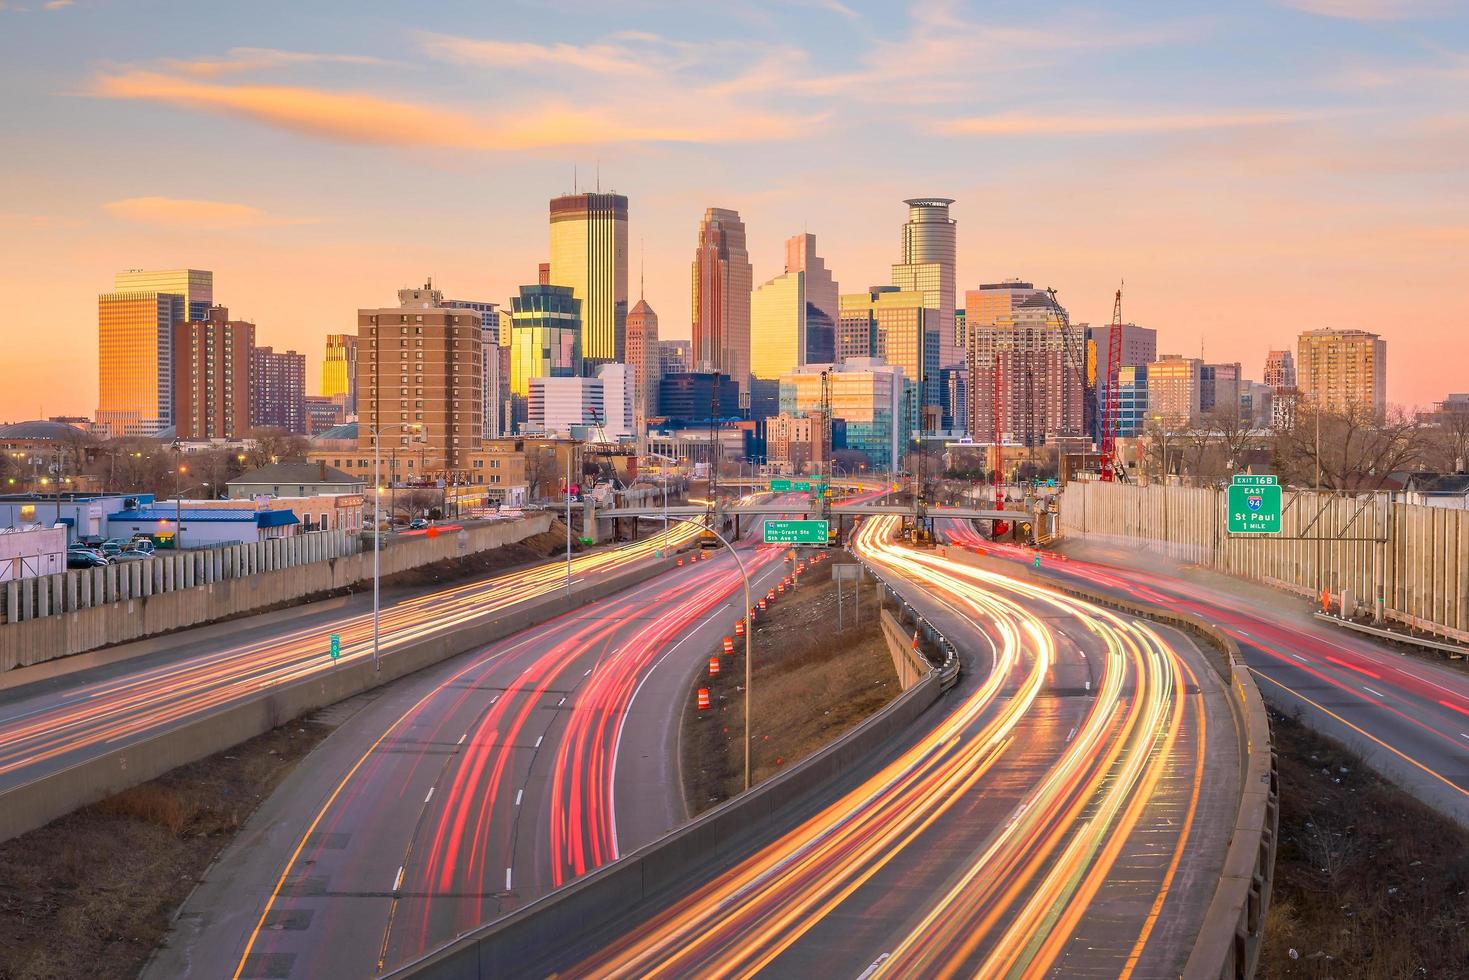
(1250, 169)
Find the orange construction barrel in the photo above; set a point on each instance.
(703, 699)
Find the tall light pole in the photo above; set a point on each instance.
(568, 518)
(749, 631)
(377, 529)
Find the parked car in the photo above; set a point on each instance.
(132, 556)
(84, 558)
(113, 546)
(144, 545)
(417, 524)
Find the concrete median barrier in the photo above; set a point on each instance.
(37, 802)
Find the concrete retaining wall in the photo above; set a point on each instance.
(908, 662)
(594, 902)
(42, 800)
(84, 610)
(1228, 944)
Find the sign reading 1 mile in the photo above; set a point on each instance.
(1254, 504)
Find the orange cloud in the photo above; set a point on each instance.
(172, 212)
(607, 59)
(239, 60)
(362, 118)
(1018, 124)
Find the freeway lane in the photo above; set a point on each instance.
(1068, 814)
(510, 771)
(58, 723)
(1408, 717)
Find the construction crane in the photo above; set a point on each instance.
(1110, 471)
(1069, 340)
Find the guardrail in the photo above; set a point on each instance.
(947, 661)
(1228, 944)
(34, 803)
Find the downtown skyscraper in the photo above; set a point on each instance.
(928, 268)
(135, 345)
(722, 278)
(793, 317)
(589, 254)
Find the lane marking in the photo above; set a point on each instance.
(507, 879)
(462, 738)
(430, 794)
(1072, 735)
(561, 702)
(1300, 658)
(873, 968)
(398, 881)
(518, 794)
(1370, 691)
(538, 740)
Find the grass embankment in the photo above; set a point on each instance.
(812, 682)
(1368, 881)
(91, 894)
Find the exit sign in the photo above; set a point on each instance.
(796, 532)
(1254, 508)
(1255, 480)
(780, 486)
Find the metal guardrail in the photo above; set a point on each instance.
(1454, 651)
(947, 661)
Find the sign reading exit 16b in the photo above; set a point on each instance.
(1254, 509)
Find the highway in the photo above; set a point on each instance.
(55, 723)
(1409, 717)
(1064, 810)
(473, 788)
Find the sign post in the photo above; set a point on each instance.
(1254, 504)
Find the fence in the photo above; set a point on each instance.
(1403, 562)
(71, 612)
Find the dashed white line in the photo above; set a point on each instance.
(538, 740)
(518, 794)
(398, 881)
(1370, 691)
(507, 879)
(1072, 735)
(1463, 735)
(1299, 657)
(463, 737)
(873, 968)
(430, 794)
(588, 673)
(561, 702)
(494, 699)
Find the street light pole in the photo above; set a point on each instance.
(568, 520)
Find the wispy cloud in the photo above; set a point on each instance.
(243, 60)
(1025, 124)
(368, 119)
(1372, 9)
(58, 4)
(602, 59)
(173, 212)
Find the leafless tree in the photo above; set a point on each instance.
(541, 472)
(1447, 441)
(1349, 450)
(272, 445)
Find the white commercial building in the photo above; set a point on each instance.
(618, 386)
(557, 404)
(29, 551)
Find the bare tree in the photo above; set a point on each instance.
(1350, 450)
(541, 471)
(1447, 442)
(272, 445)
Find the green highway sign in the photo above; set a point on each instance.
(780, 486)
(336, 647)
(801, 486)
(796, 532)
(1255, 480)
(1254, 509)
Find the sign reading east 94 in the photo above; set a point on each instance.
(1254, 509)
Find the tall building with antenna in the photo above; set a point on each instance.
(642, 360)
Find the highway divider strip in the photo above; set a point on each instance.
(1229, 941)
(39, 801)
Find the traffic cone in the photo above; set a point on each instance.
(739, 627)
(729, 644)
(703, 699)
(713, 666)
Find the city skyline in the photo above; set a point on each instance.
(1219, 194)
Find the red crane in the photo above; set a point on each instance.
(1109, 410)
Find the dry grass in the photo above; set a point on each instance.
(811, 684)
(91, 895)
(1368, 881)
